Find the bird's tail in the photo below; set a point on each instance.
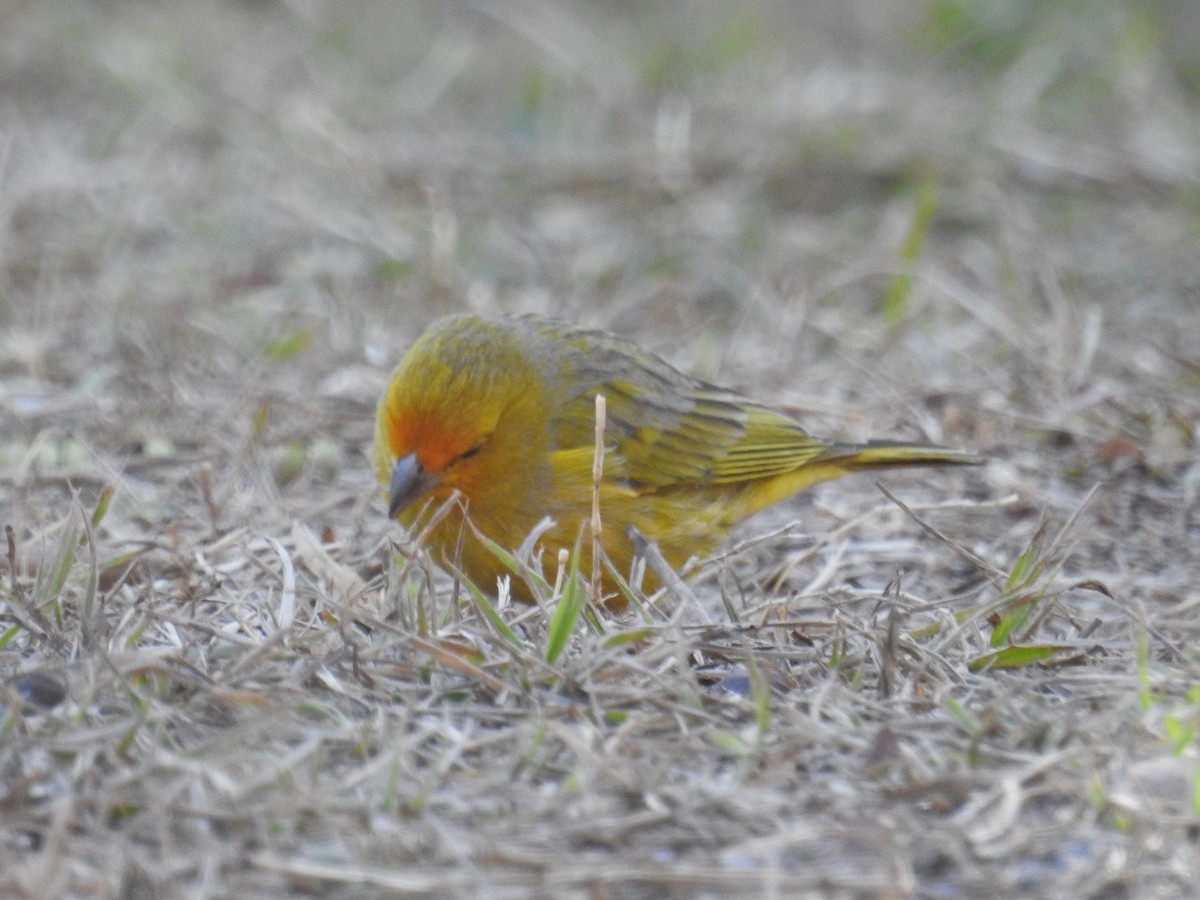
(842, 459)
(894, 454)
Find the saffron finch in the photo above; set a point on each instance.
(502, 411)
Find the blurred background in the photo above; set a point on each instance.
(963, 221)
(226, 194)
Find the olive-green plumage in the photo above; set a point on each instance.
(502, 410)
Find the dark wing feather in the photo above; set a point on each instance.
(691, 434)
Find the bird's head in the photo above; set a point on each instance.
(461, 412)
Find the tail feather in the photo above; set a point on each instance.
(892, 454)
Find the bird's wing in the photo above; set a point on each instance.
(666, 428)
(666, 437)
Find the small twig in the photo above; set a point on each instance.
(287, 601)
(986, 568)
(87, 614)
(657, 563)
(889, 654)
(560, 573)
(40, 621)
(447, 656)
(456, 589)
(14, 567)
(422, 540)
(210, 501)
(259, 650)
(597, 475)
(1070, 523)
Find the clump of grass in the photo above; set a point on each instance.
(1025, 598)
(896, 298)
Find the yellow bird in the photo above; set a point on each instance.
(501, 412)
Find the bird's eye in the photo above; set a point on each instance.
(469, 453)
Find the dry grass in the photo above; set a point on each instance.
(224, 674)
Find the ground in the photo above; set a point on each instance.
(225, 673)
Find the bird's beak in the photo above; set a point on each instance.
(409, 481)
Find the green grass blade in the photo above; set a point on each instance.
(1012, 619)
(488, 609)
(536, 582)
(1016, 657)
(896, 298)
(574, 596)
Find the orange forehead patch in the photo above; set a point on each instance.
(428, 437)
